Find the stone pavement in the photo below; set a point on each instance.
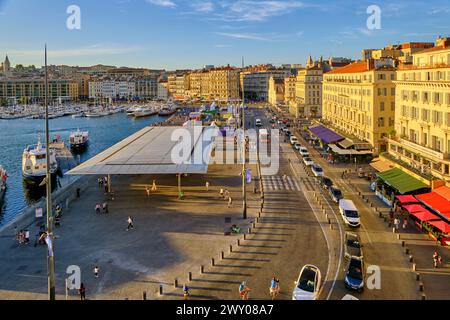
(171, 237)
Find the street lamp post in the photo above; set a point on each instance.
(50, 251)
(244, 193)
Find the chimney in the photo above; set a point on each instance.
(371, 64)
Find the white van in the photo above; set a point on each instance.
(349, 213)
(293, 140)
(258, 122)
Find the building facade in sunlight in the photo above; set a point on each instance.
(276, 90)
(422, 118)
(359, 100)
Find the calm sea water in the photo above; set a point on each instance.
(15, 135)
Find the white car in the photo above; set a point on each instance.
(307, 286)
(308, 161)
(293, 140)
(297, 146)
(317, 170)
(304, 152)
(349, 213)
(258, 122)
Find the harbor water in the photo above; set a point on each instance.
(16, 134)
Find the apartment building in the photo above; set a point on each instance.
(112, 89)
(276, 91)
(359, 101)
(421, 141)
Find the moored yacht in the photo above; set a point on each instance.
(34, 163)
(167, 110)
(79, 139)
(3, 178)
(145, 112)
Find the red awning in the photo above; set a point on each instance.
(425, 215)
(441, 225)
(407, 199)
(411, 208)
(436, 202)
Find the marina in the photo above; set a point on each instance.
(19, 133)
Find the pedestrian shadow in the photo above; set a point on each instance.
(216, 281)
(228, 274)
(236, 266)
(260, 246)
(248, 259)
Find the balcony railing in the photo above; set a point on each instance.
(409, 167)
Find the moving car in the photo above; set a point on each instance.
(308, 161)
(304, 152)
(349, 213)
(293, 140)
(326, 182)
(307, 286)
(258, 122)
(336, 194)
(297, 146)
(352, 246)
(317, 170)
(354, 274)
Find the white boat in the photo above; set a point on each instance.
(34, 163)
(145, 112)
(78, 139)
(167, 111)
(131, 110)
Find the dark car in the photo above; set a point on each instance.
(352, 246)
(336, 194)
(326, 182)
(354, 274)
(288, 133)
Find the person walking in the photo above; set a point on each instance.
(274, 287)
(105, 207)
(226, 194)
(436, 259)
(405, 223)
(154, 185)
(207, 186)
(185, 292)
(396, 223)
(147, 189)
(130, 223)
(96, 271)
(243, 291)
(27, 236)
(82, 291)
(221, 192)
(230, 202)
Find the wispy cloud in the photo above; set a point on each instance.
(223, 46)
(300, 34)
(163, 3)
(94, 50)
(441, 10)
(203, 6)
(247, 36)
(250, 10)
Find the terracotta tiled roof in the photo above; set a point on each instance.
(351, 68)
(438, 48)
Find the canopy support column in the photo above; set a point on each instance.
(109, 183)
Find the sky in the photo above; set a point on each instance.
(178, 34)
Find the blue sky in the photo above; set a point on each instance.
(174, 34)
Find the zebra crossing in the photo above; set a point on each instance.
(280, 183)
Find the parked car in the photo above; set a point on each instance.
(352, 246)
(258, 123)
(336, 194)
(293, 139)
(326, 182)
(307, 286)
(304, 152)
(354, 274)
(317, 170)
(349, 213)
(297, 146)
(308, 161)
(288, 133)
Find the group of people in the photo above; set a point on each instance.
(153, 188)
(226, 196)
(101, 207)
(23, 236)
(437, 259)
(103, 182)
(274, 289)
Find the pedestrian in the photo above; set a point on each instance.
(130, 223)
(27, 236)
(185, 292)
(97, 208)
(207, 186)
(100, 182)
(226, 194)
(436, 259)
(147, 189)
(391, 215)
(230, 202)
(405, 223)
(396, 223)
(82, 291)
(96, 271)
(154, 185)
(221, 192)
(105, 207)
(106, 189)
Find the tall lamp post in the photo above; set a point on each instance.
(244, 193)
(50, 255)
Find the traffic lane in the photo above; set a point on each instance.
(378, 250)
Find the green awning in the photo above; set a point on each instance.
(401, 181)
